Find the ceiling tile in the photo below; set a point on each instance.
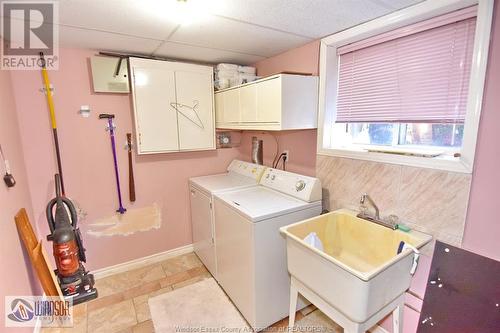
(220, 33)
(202, 54)
(242, 30)
(315, 19)
(135, 18)
(105, 41)
(398, 4)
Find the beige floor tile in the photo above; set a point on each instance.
(317, 321)
(181, 263)
(113, 318)
(199, 271)
(143, 298)
(160, 292)
(126, 330)
(120, 282)
(104, 301)
(142, 311)
(308, 309)
(188, 282)
(144, 327)
(175, 278)
(79, 321)
(144, 289)
(141, 304)
(283, 323)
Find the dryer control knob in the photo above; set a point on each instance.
(300, 185)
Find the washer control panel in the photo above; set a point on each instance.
(299, 186)
(246, 169)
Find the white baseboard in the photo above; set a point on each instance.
(378, 329)
(141, 262)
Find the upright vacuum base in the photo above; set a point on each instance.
(79, 288)
(83, 297)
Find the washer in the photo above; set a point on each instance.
(251, 252)
(239, 175)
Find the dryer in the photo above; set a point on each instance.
(239, 175)
(251, 252)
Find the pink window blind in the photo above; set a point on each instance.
(419, 73)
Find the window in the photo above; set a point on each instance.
(438, 137)
(405, 88)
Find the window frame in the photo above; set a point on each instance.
(328, 81)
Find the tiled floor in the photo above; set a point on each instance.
(122, 305)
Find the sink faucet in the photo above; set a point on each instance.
(376, 219)
(365, 197)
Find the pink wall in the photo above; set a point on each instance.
(304, 59)
(88, 165)
(483, 225)
(301, 144)
(16, 273)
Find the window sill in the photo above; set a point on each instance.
(447, 163)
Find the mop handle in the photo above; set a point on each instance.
(110, 117)
(50, 103)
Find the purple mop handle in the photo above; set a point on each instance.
(121, 209)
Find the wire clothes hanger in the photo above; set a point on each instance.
(179, 108)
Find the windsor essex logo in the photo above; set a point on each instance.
(28, 29)
(21, 310)
(26, 311)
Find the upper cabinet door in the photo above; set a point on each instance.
(195, 109)
(269, 101)
(231, 106)
(156, 124)
(248, 103)
(219, 108)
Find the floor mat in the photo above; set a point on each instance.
(200, 307)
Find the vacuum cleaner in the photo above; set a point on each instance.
(75, 281)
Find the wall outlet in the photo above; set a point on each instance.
(287, 154)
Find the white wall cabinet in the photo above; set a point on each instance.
(173, 106)
(279, 102)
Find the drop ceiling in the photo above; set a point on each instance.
(241, 31)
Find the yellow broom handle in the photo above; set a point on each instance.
(50, 101)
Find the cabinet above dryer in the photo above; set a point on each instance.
(173, 106)
(278, 102)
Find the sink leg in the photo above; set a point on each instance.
(354, 328)
(397, 319)
(294, 294)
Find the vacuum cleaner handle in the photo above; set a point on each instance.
(50, 206)
(50, 216)
(50, 213)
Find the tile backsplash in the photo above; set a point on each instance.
(432, 201)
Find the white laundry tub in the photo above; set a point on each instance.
(359, 272)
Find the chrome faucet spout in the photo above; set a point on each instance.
(375, 219)
(365, 197)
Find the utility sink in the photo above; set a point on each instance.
(359, 271)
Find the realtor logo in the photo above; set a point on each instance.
(29, 311)
(28, 29)
(21, 310)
